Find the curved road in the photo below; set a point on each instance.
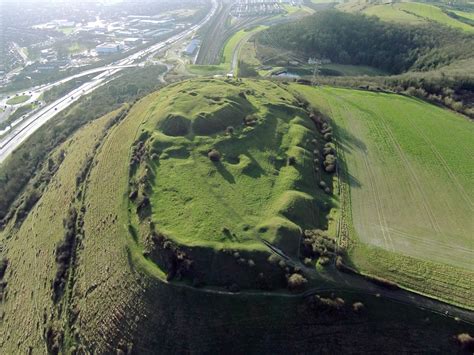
(26, 128)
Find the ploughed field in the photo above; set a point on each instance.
(410, 172)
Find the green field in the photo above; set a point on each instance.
(415, 13)
(298, 10)
(410, 176)
(354, 70)
(18, 99)
(468, 15)
(393, 13)
(117, 298)
(251, 192)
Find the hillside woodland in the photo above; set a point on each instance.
(430, 61)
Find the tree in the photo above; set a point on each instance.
(296, 282)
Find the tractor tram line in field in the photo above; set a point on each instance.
(373, 184)
(463, 193)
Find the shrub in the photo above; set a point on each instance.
(358, 307)
(323, 303)
(250, 120)
(328, 136)
(214, 155)
(273, 259)
(230, 130)
(324, 260)
(331, 168)
(466, 341)
(296, 282)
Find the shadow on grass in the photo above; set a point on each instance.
(256, 169)
(348, 141)
(224, 172)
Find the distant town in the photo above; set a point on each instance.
(67, 40)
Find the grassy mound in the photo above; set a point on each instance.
(256, 130)
(195, 110)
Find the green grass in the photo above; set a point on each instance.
(118, 293)
(33, 262)
(393, 13)
(76, 47)
(411, 184)
(230, 46)
(468, 15)
(251, 191)
(336, 69)
(18, 100)
(298, 10)
(354, 70)
(67, 30)
(206, 70)
(415, 13)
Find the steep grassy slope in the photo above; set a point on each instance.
(410, 174)
(30, 250)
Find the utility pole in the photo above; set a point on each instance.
(316, 71)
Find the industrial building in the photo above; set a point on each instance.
(108, 48)
(192, 47)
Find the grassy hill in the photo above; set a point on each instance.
(252, 191)
(409, 13)
(142, 243)
(411, 191)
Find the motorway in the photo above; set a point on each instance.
(29, 125)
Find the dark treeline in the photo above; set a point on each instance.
(362, 40)
(21, 166)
